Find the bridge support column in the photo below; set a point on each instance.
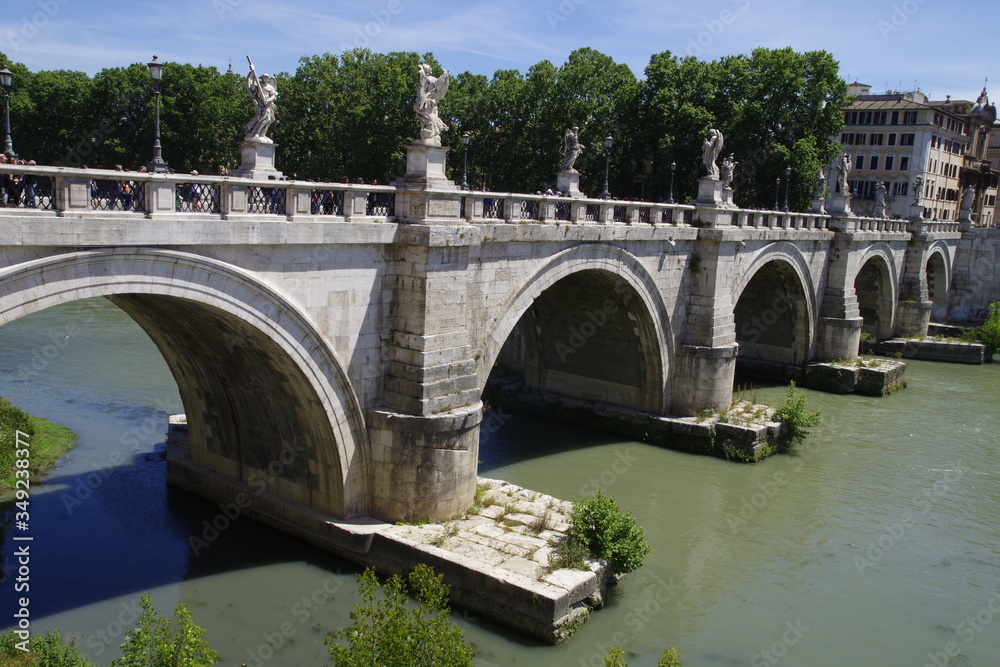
(703, 377)
(913, 315)
(425, 436)
(913, 318)
(838, 331)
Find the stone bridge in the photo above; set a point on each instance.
(332, 342)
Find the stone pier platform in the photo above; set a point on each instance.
(496, 557)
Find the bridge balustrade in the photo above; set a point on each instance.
(197, 198)
(117, 195)
(27, 190)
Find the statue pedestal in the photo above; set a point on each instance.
(257, 161)
(879, 212)
(569, 182)
(965, 215)
(819, 205)
(727, 198)
(916, 212)
(840, 205)
(425, 169)
(710, 192)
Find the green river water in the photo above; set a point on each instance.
(876, 543)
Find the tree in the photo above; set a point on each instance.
(151, 643)
(385, 632)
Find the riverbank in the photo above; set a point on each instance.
(47, 444)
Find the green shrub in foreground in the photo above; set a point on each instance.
(46, 650)
(386, 632)
(989, 332)
(151, 643)
(609, 532)
(12, 419)
(793, 412)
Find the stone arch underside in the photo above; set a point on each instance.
(936, 272)
(583, 327)
(875, 293)
(267, 403)
(773, 315)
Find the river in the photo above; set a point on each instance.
(876, 543)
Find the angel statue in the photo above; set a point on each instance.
(843, 171)
(263, 92)
(710, 150)
(572, 148)
(430, 90)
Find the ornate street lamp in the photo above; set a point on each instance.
(608, 143)
(157, 164)
(788, 180)
(777, 192)
(7, 80)
(465, 161)
(673, 170)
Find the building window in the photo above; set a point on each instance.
(904, 163)
(873, 162)
(847, 138)
(859, 162)
(910, 118)
(906, 139)
(894, 118)
(864, 118)
(900, 189)
(892, 139)
(860, 138)
(889, 162)
(850, 118)
(879, 118)
(875, 140)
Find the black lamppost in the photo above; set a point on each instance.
(673, 170)
(608, 143)
(788, 180)
(157, 165)
(7, 80)
(465, 161)
(777, 192)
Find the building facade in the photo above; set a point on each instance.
(925, 153)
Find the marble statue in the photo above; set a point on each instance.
(264, 93)
(572, 148)
(918, 190)
(710, 150)
(430, 90)
(821, 184)
(879, 193)
(728, 170)
(843, 171)
(968, 198)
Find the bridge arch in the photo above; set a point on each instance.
(585, 303)
(937, 274)
(267, 402)
(775, 307)
(876, 286)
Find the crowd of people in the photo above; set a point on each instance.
(18, 189)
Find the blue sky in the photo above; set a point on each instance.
(942, 47)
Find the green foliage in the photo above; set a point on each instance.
(616, 658)
(151, 643)
(45, 650)
(12, 420)
(609, 532)
(793, 412)
(571, 553)
(387, 632)
(669, 659)
(989, 332)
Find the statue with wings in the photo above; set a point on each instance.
(430, 90)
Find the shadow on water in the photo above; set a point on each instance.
(120, 529)
(506, 438)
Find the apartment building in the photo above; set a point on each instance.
(906, 141)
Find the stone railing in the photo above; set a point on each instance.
(84, 192)
(508, 207)
(779, 219)
(934, 227)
